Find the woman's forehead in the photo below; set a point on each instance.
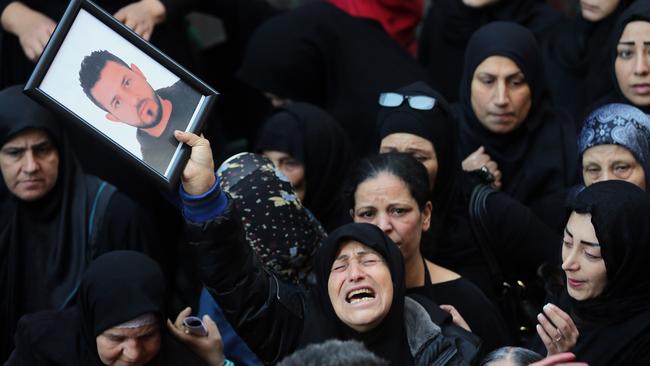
(352, 248)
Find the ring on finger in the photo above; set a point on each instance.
(558, 337)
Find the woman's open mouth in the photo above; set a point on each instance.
(360, 295)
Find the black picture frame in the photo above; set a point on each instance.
(42, 87)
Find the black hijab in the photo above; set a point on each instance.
(537, 158)
(319, 54)
(617, 321)
(576, 61)
(388, 340)
(449, 24)
(619, 212)
(43, 249)
(439, 127)
(639, 10)
(118, 286)
(313, 137)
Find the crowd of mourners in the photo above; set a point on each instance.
(443, 182)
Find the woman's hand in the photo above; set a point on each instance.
(557, 330)
(32, 28)
(208, 348)
(478, 160)
(456, 317)
(142, 16)
(198, 175)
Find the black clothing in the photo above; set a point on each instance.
(15, 68)
(117, 287)
(615, 325)
(639, 10)
(450, 23)
(437, 126)
(577, 61)
(275, 319)
(478, 311)
(158, 151)
(450, 242)
(538, 159)
(313, 137)
(319, 54)
(44, 244)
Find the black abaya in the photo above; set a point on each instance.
(615, 325)
(449, 25)
(577, 62)
(520, 241)
(116, 288)
(313, 137)
(44, 245)
(319, 54)
(538, 159)
(639, 10)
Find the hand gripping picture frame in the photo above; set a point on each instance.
(98, 73)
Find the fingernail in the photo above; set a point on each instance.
(540, 316)
(547, 306)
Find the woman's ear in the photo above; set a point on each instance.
(426, 216)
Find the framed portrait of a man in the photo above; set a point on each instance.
(96, 71)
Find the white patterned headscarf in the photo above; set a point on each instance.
(618, 124)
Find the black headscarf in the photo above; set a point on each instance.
(449, 24)
(319, 54)
(615, 325)
(43, 249)
(117, 287)
(388, 340)
(576, 61)
(639, 10)
(313, 137)
(439, 127)
(436, 125)
(619, 212)
(538, 157)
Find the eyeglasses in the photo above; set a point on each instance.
(420, 102)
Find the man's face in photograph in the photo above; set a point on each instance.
(127, 96)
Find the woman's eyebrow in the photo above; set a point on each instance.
(631, 43)
(591, 244)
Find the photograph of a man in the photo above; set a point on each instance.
(123, 92)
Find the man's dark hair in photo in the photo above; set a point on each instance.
(91, 68)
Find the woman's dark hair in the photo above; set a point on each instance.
(519, 356)
(401, 165)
